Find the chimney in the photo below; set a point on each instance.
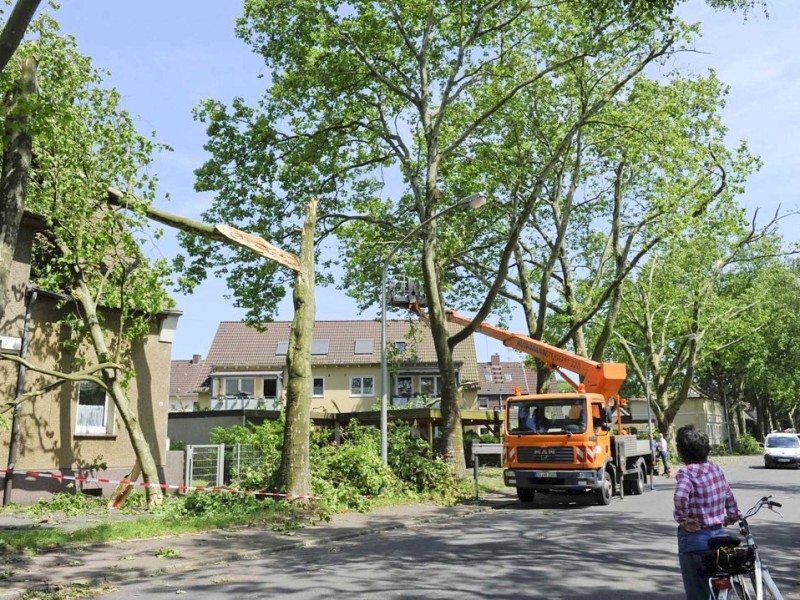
(495, 360)
(196, 358)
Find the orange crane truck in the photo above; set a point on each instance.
(563, 442)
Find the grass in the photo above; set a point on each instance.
(144, 527)
(186, 515)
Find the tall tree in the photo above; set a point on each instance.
(401, 90)
(678, 313)
(639, 172)
(14, 29)
(83, 142)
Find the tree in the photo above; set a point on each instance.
(82, 143)
(405, 89)
(294, 474)
(639, 172)
(760, 370)
(678, 313)
(14, 29)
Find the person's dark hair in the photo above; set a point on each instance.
(693, 445)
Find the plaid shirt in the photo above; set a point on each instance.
(702, 494)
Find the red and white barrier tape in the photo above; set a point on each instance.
(164, 486)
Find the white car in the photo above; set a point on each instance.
(782, 450)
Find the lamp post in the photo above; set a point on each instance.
(649, 427)
(473, 201)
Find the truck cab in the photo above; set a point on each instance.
(563, 442)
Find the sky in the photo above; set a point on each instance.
(166, 56)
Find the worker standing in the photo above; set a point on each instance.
(662, 452)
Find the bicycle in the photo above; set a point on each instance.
(736, 572)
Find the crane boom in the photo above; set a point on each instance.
(601, 378)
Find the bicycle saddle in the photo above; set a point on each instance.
(729, 540)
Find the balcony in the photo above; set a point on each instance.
(244, 403)
(415, 401)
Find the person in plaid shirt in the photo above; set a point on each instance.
(704, 504)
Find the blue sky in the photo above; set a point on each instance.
(166, 56)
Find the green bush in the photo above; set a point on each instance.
(348, 473)
(747, 444)
(415, 463)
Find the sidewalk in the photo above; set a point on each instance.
(136, 559)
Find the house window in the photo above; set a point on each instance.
(400, 347)
(319, 387)
(404, 387)
(270, 388)
(362, 386)
(93, 411)
(483, 403)
(243, 387)
(429, 385)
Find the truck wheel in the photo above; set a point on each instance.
(603, 495)
(636, 486)
(525, 495)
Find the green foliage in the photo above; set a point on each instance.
(416, 465)
(167, 553)
(747, 444)
(349, 473)
(66, 503)
(210, 504)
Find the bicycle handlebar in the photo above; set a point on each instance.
(765, 501)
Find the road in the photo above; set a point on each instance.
(561, 547)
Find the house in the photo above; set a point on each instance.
(242, 379)
(186, 378)
(704, 413)
(73, 427)
(246, 367)
(498, 380)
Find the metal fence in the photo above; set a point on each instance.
(217, 464)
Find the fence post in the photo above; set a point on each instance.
(187, 468)
(475, 466)
(220, 464)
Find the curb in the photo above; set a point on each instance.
(18, 592)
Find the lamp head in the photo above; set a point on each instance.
(474, 200)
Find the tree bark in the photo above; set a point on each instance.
(121, 401)
(294, 474)
(15, 172)
(14, 29)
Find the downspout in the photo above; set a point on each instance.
(15, 426)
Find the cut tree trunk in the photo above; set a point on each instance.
(294, 474)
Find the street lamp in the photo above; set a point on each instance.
(473, 201)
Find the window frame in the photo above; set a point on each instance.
(239, 380)
(313, 387)
(361, 379)
(107, 429)
(437, 387)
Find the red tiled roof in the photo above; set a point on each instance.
(186, 377)
(503, 377)
(237, 346)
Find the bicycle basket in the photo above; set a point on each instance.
(729, 561)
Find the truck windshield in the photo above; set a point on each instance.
(537, 417)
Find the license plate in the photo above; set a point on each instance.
(783, 460)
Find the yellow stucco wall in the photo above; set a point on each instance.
(337, 396)
(47, 423)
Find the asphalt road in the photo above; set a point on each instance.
(561, 547)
